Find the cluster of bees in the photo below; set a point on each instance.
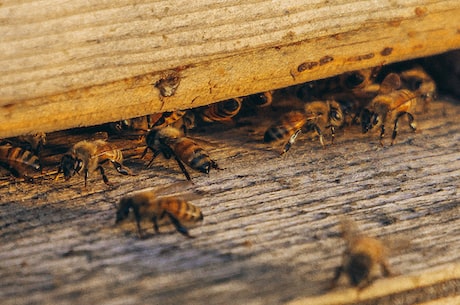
(372, 98)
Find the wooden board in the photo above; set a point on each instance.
(270, 232)
(77, 64)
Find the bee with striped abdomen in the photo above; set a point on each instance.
(364, 258)
(220, 112)
(389, 106)
(146, 205)
(420, 83)
(89, 156)
(20, 162)
(288, 127)
(171, 142)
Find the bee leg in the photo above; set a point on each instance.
(337, 273)
(104, 177)
(86, 177)
(332, 134)
(155, 224)
(179, 227)
(412, 123)
(215, 165)
(182, 167)
(382, 134)
(120, 168)
(57, 175)
(137, 216)
(290, 142)
(155, 154)
(395, 128)
(320, 135)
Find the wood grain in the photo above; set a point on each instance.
(77, 64)
(270, 231)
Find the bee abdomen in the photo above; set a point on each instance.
(114, 155)
(169, 118)
(182, 209)
(18, 159)
(275, 133)
(222, 111)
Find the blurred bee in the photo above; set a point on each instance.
(420, 83)
(89, 156)
(220, 112)
(263, 99)
(364, 259)
(360, 82)
(20, 162)
(138, 124)
(389, 106)
(146, 205)
(34, 142)
(171, 142)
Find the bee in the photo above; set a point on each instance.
(138, 124)
(324, 114)
(180, 119)
(20, 162)
(388, 107)
(146, 205)
(34, 142)
(363, 259)
(263, 99)
(288, 126)
(420, 83)
(316, 116)
(171, 142)
(220, 112)
(89, 156)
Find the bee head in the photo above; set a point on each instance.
(368, 120)
(70, 166)
(336, 115)
(353, 80)
(359, 268)
(123, 209)
(151, 137)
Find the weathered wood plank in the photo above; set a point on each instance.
(78, 64)
(270, 231)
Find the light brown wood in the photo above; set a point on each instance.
(270, 233)
(77, 64)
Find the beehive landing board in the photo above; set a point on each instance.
(270, 233)
(72, 64)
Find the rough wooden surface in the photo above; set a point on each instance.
(77, 64)
(270, 231)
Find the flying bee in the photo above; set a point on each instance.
(221, 111)
(20, 162)
(364, 259)
(420, 83)
(389, 106)
(89, 156)
(146, 205)
(171, 142)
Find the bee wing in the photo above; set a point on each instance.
(391, 82)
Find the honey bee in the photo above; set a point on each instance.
(141, 124)
(220, 112)
(288, 126)
(263, 99)
(35, 142)
(20, 162)
(317, 115)
(180, 119)
(388, 107)
(420, 83)
(171, 142)
(364, 259)
(324, 114)
(89, 156)
(146, 205)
